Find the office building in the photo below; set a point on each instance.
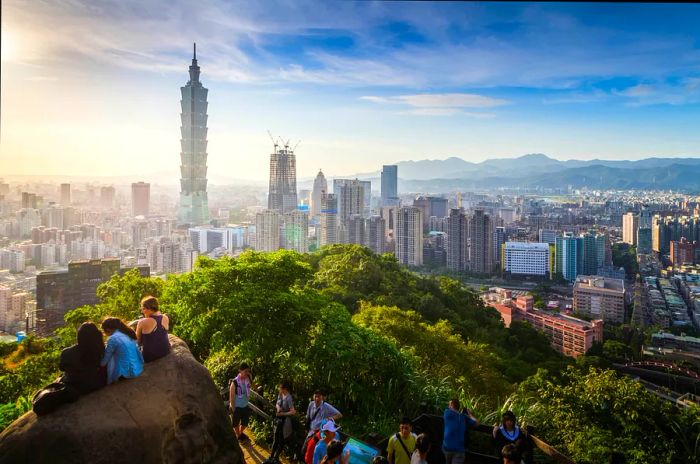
(320, 188)
(282, 195)
(140, 199)
(481, 243)
(390, 184)
(431, 206)
(351, 198)
(58, 292)
(408, 235)
(65, 194)
(526, 258)
(548, 236)
(630, 225)
(295, 231)
(457, 246)
(600, 297)
(194, 202)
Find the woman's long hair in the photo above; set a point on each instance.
(113, 323)
(90, 344)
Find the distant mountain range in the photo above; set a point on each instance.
(538, 170)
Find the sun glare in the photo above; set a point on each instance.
(8, 50)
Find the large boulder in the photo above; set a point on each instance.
(172, 413)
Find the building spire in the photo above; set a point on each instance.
(194, 56)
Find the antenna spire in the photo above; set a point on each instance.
(194, 57)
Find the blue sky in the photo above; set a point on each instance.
(93, 87)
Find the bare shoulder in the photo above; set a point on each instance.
(165, 321)
(146, 324)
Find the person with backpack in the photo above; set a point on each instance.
(401, 444)
(239, 392)
(122, 355)
(284, 410)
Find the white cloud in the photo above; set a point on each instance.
(441, 104)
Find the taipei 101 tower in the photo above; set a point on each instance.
(194, 204)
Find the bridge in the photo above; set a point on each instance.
(657, 365)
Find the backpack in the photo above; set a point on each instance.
(52, 396)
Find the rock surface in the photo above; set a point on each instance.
(172, 413)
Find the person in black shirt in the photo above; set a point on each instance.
(81, 363)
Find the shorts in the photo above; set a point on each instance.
(241, 416)
(452, 457)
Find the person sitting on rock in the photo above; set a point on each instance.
(122, 355)
(152, 330)
(81, 363)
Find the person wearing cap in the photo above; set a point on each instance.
(508, 433)
(457, 424)
(401, 444)
(328, 433)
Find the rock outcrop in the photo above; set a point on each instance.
(172, 413)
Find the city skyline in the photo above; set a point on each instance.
(413, 81)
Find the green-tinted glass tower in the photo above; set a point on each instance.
(194, 204)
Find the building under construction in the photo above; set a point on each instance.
(283, 178)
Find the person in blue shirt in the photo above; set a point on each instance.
(122, 355)
(328, 433)
(457, 423)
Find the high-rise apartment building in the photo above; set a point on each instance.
(666, 229)
(282, 195)
(65, 194)
(58, 292)
(375, 233)
(408, 235)
(194, 202)
(140, 199)
(548, 236)
(630, 224)
(390, 184)
(351, 198)
(329, 220)
(267, 230)
(593, 253)
(107, 197)
(644, 241)
(457, 243)
(481, 246)
(295, 231)
(600, 298)
(568, 251)
(500, 237)
(320, 187)
(683, 252)
(356, 230)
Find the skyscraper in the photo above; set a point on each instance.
(592, 254)
(107, 197)
(351, 197)
(457, 244)
(194, 203)
(320, 187)
(282, 195)
(481, 247)
(409, 236)
(390, 183)
(375, 232)
(630, 224)
(140, 198)
(65, 194)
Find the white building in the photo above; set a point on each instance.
(630, 224)
(295, 231)
(267, 230)
(526, 258)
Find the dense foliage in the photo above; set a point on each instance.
(383, 342)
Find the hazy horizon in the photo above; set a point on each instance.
(360, 84)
